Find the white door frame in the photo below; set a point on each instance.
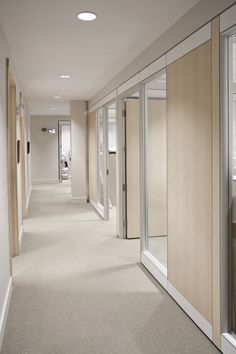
(228, 341)
(60, 124)
(121, 156)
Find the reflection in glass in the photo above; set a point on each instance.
(111, 163)
(157, 167)
(101, 156)
(232, 163)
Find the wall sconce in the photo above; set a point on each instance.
(19, 107)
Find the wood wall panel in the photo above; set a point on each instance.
(190, 178)
(132, 168)
(92, 150)
(216, 179)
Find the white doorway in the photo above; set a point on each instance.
(64, 142)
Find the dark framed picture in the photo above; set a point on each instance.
(18, 151)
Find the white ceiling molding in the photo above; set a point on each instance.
(192, 42)
(153, 68)
(104, 101)
(129, 84)
(195, 40)
(228, 19)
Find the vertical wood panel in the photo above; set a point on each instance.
(190, 178)
(12, 168)
(132, 168)
(92, 148)
(216, 178)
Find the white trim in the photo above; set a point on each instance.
(21, 235)
(5, 309)
(153, 68)
(159, 272)
(104, 101)
(28, 198)
(97, 207)
(228, 344)
(136, 79)
(45, 181)
(228, 19)
(81, 200)
(201, 322)
(150, 262)
(195, 40)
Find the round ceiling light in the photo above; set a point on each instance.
(57, 97)
(86, 16)
(64, 76)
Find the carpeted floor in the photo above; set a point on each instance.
(78, 289)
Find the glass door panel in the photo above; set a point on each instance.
(156, 171)
(101, 159)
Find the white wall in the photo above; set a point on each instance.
(78, 150)
(28, 162)
(5, 259)
(44, 148)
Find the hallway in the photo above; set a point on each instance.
(79, 289)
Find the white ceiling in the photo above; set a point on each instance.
(47, 40)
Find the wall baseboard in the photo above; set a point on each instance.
(80, 200)
(197, 318)
(228, 344)
(45, 181)
(28, 198)
(5, 309)
(21, 235)
(96, 207)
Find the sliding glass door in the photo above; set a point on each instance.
(155, 170)
(101, 163)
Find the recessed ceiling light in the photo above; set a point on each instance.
(57, 97)
(64, 76)
(53, 108)
(86, 16)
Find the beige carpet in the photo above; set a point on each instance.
(80, 290)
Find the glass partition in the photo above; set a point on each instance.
(101, 157)
(156, 163)
(232, 164)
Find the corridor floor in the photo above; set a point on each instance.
(78, 289)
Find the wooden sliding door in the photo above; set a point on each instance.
(12, 161)
(190, 178)
(132, 168)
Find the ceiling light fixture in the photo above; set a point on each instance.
(53, 108)
(86, 16)
(64, 76)
(57, 97)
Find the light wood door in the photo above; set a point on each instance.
(190, 178)
(132, 168)
(12, 161)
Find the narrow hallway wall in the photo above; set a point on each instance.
(44, 149)
(5, 259)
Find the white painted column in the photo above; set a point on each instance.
(78, 150)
